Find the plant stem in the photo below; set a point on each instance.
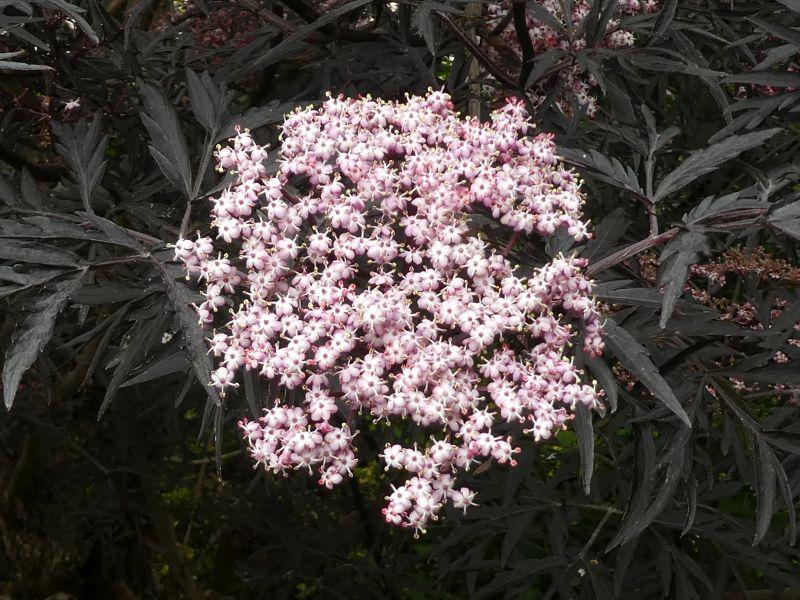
(632, 250)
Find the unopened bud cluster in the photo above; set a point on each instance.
(355, 275)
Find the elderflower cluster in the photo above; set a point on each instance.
(545, 38)
(356, 276)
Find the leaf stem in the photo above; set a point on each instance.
(632, 250)
(488, 64)
(651, 214)
(511, 243)
(524, 39)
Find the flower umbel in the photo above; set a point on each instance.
(356, 274)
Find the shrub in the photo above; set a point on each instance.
(678, 146)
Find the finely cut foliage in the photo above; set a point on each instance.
(402, 293)
(547, 66)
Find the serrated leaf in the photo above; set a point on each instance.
(631, 296)
(595, 24)
(788, 498)
(541, 63)
(83, 148)
(132, 17)
(657, 139)
(786, 219)
(109, 292)
(168, 145)
(31, 193)
(712, 85)
(193, 333)
(256, 117)
(676, 258)
(15, 29)
(110, 324)
(36, 277)
(294, 40)
(605, 169)
(187, 384)
(40, 227)
(606, 234)
(732, 400)
(635, 358)
(142, 338)
(658, 63)
(522, 570)
(624, 558)
(173, 175)
(174, 363)
(764, 463)
(618, 99)
(34, 332)
(706, 160)
(115, 233)
(785, 33)
(691, 506)
(776, 56)
(791, 4)
(782, 374)
(74, 13)
(12, 65)
(5, 55)
(722, 210)
(782, 328)
(545, 16)
(705, 324)
(516, 527)
(665, 18)
(644, 467)
(34, 252)
(642, 511)
(585, 436)
(424, 24)
(208, 103)
(7, 193)
(605, 379)
(782, 79)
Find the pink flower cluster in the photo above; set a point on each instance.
(544, 38)
(356, 274)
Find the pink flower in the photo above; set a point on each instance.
(368, 291)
